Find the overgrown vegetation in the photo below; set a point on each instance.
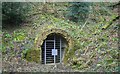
(95, 39)
(78, 11)
(14, 13)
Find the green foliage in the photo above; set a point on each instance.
(18, 44)
(78, 11)
(19, 36)
(14, 12)
(6, 41)
(94, 49)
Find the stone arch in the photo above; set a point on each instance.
(42, 36)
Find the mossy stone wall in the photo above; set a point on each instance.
(41, 37)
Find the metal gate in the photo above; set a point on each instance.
(52, 42)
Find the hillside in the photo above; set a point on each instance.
(95, 41)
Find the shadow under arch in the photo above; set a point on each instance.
(53, 41)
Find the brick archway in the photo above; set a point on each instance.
(42, 36)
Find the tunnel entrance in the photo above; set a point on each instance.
(53, 49)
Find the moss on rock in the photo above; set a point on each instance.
(33, 56)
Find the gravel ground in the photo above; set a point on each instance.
(24, 66)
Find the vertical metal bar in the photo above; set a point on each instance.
(60, 50)
(45, 52)
(54, 41)
(54, 48)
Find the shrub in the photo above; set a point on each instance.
(14, 12)
(78, 11)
